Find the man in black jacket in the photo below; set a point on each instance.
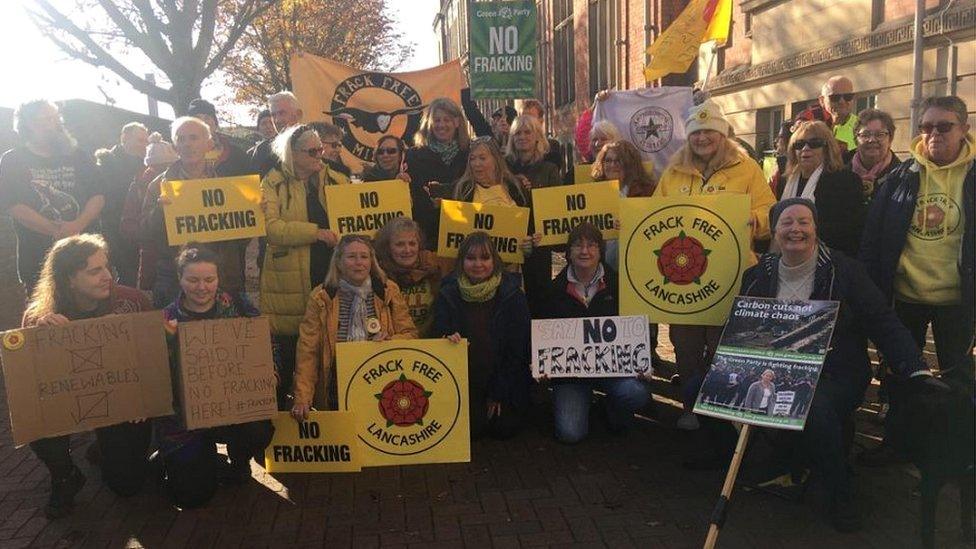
(119, 166)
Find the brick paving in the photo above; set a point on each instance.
(609, 491)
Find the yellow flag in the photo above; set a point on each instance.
(368, 105)
(677, 46)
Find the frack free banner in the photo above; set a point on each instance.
(502, 53)
(212, 210)
(409, 397)
(682, 258)
(366, 207)
(507, 226)
(368, 105)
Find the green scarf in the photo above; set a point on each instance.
(447, 151)
(481, 292)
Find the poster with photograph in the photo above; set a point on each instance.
(766, 368)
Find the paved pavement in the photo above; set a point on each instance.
(610, 490)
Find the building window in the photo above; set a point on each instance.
(865, 102)
(747, 25)
(768, 122)
(602, 18)
(564, 68)
(877, 13)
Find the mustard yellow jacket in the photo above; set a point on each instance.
(314, 381)
(285, 275)
(737, 174)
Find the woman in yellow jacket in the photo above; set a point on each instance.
(710, 163)
(299, 241)
(356, 303)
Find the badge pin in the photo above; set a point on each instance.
(373, 325)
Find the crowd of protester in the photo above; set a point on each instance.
(847, 220)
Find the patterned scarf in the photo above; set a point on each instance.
(355, 306)
(480, 292)
(869, 176)
(447, 151)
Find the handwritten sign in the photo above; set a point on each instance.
(364, 208)
(507, 226)
(558, 210)
(611, 346)
(85, 374)
(325, 443)
(410, 398)
(212, 210)
(226, 371)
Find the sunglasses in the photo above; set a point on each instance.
(939, 127)
(314, 151)
(815, 143)
(835, 97)
(331, 144)
(385, 150)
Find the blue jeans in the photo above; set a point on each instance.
(571, 403)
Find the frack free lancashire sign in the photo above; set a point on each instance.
(212, 210)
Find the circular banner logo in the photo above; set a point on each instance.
(682, 259)
(370, 105)
(936, 215)
(407, 401)
(651, 129)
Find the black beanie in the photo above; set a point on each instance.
(778, 208)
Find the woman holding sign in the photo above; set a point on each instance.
(357, 302)
(299, 241)
(485, 304)
(191, 464)
(586, 288)
(76, 283)
(710, 163)
(399, 249)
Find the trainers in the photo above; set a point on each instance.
(63, 491)
(687, 422)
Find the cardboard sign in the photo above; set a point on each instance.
(226, 371)
(212, 210)
(325, 443)
(85, 374)
(364, 208)
(507, 226)
(558, 210)
(767, 365)
(682, 258)
(610, 346)
(410, 398)
(583, 173)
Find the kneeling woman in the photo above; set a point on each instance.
(586, 288)
(191, 464)
(417, 272)
(75, 284)
(357, 302)
(485, 304)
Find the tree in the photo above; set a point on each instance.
(356, 32)
(187, 40)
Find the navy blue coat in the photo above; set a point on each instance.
(510, 331)
(864, 313)
(889, 217)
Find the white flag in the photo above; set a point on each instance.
(653, 119)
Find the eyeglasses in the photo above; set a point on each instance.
(612, 162)
(940, 127)
(815, 143)
(331, 144)
(314, 151)
(391, 150)
(835, 97)
(869, 135)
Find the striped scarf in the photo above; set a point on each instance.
(355, 306)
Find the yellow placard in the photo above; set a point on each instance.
(557, 210)
(212, 210)
(410, 399)
(325, 443)
(681, 258)
(507, 225)
(365, 207)
(583, 173)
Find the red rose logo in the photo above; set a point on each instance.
(931, 217)
(682, 260)
(403, 402)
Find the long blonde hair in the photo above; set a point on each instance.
(535, 127)
(424, 135)
(67, 257)
(464, 189)
(333, 276)
(832, 162)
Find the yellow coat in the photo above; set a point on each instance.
(285, 275)
(314, 358)
(738, 174)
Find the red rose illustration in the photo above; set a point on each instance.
(682, 260)
(932, 217)
(403, 402)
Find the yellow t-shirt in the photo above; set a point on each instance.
(496, 195)
(928, 269)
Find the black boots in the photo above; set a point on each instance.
(63, 491)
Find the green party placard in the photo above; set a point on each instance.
(502, 50)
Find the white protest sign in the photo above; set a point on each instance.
(610, 346)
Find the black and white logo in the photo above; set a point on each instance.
(651, 129)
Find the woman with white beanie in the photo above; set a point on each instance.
(710, 163)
